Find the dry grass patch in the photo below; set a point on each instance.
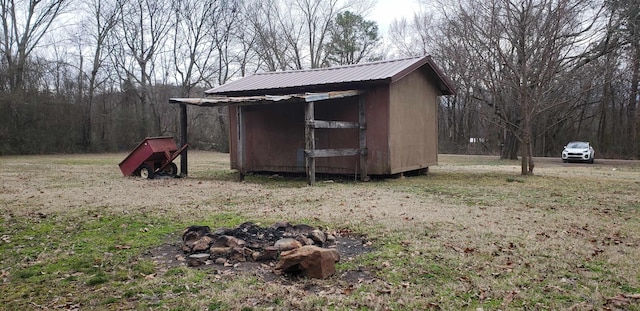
(472, 234)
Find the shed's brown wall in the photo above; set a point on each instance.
(273, 137)
(413, 134)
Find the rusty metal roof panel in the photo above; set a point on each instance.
(381, 71)
(221, 101)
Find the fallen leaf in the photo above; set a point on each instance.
(483, 295)
(509, 298)
(597, 251)
(348, 290)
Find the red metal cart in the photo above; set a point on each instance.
(154, 155)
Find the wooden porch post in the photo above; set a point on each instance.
(309, 143)
(183, 140)
(363, 138)
(240, 145)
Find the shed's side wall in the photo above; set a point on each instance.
(413, 133)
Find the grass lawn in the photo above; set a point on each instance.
(471, 235)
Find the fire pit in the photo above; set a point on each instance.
(296, 248)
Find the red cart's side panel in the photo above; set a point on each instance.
(152, 149)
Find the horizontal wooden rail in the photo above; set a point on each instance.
(326, 153)
(319, 124)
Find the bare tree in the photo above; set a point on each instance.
(203, 38)
(24, 24)
(317, 16)
(293, 34)
(276, 34)
(525, 55)
(99, 24)
(414, 36)
(630, 26)
(143, 29)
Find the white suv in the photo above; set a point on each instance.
(578, 151)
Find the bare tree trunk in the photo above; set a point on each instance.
(524, 155)
(606, 103)
(633, 103)
(510, 146)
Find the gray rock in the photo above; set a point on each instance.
(318, 237)
(287, 244)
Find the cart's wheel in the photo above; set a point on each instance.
(171, 169)
(146, 172)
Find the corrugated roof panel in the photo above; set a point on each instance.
(221, 101)
(374, 71)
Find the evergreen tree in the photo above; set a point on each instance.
(353, 39)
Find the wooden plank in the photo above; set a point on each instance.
(183, 139)
(312, 97)
(327, 153)
(310, 143)
(240, 116)
(363, 137)
(333, 124)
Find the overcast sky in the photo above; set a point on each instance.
(388, 10)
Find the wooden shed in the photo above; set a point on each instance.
(377, 118)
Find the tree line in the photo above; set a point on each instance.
(531, 75)
(96, 75)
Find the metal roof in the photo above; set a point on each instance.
(336, 78)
